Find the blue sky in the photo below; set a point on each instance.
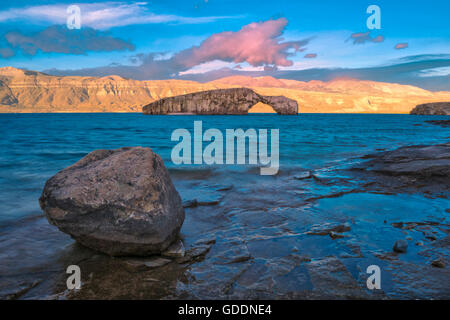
(206, 39)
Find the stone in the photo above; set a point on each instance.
(400, 246)
(119, 202)
(194, 253)
(190, 203)
(415, 161)
(434, 108)
(328, 228)
(303, 175)
(175, 250)
(220, 101)
(438, 263)
(135, 265)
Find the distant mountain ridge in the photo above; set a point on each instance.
(24, 91)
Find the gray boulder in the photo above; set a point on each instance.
(120, 202)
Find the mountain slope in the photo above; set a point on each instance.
(30, 91)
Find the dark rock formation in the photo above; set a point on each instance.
(418, 161)
(221, 101)
(435, 108)
(410, 169)
(442, 123)
(400, 246)
(120, 202)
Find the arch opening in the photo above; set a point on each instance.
(261, 108)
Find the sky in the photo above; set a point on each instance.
(406, 42)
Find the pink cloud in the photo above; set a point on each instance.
(259, 43)
(311, 55)
(363, 37)
(403, 45)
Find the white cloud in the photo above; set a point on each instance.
(435, 72)
(101, 15)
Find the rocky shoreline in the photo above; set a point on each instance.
(300, 235)
(250, 269)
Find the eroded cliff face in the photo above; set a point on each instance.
(29, 91)
(221, 101)
(437, 108)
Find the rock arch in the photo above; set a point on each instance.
(220, 101)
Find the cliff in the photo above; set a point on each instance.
(437, 108)
(220, 101)
(34, 92)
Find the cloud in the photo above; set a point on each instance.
(59, 39)
(258, 44)
(101, 16)
(429, 71)
(363, 37)
(6, 53)
(403, 45)
(310, 55)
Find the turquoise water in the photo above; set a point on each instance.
(36, 146)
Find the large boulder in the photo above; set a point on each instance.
(120, 202)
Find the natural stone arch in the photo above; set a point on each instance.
(220, 101)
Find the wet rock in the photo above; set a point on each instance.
(400, 246)
(328, 228)
(206, 241)
(120, 202)
(442, 123)
(225, 188)
(419, 243)
(335, 235)
(194, 253)
(418, 161)
(135, 265)
(331, 278)
(209, 202)
(175, 250)
(190, 203)
(438, 263)
(303, 175)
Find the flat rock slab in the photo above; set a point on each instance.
(330, 277)
(420, 161)
(134, 265)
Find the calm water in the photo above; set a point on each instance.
(35, 147)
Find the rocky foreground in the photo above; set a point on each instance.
(24, 91)
(283, 241)
(221, 101)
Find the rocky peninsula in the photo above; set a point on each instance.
(436, 109)
(221, 101)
